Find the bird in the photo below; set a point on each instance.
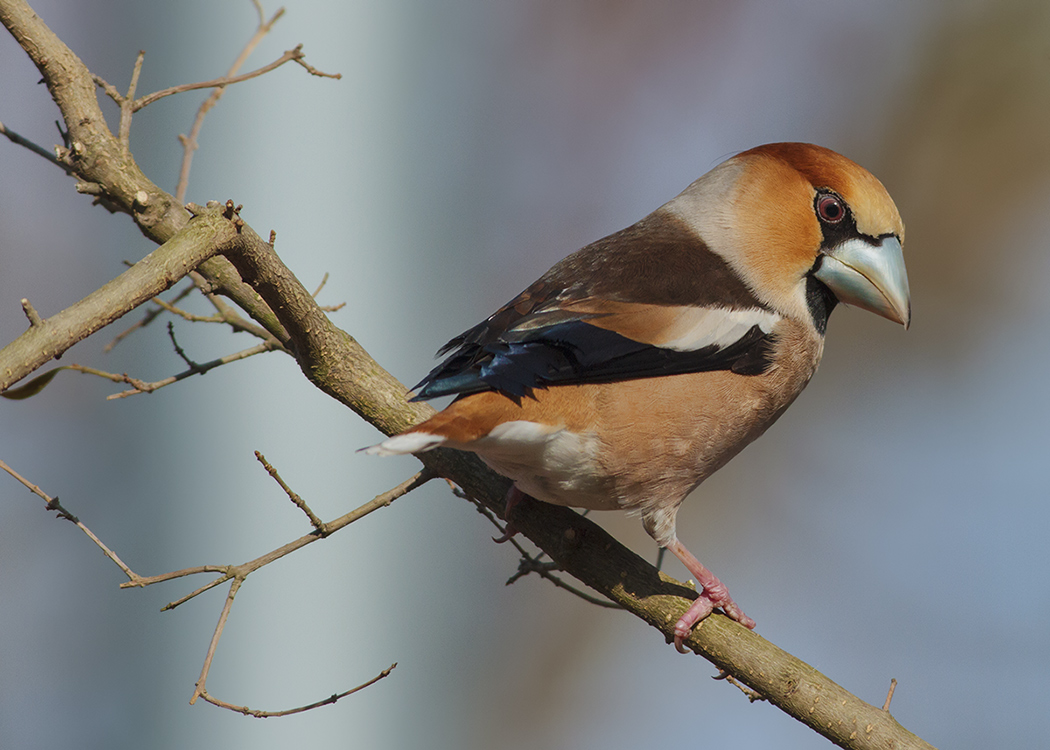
(639, 365)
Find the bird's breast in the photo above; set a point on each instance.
(644, 443)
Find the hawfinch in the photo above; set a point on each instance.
(639, 365)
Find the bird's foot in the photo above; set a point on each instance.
(704, 605)
(714, 594)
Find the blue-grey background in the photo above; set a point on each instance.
(892, 525)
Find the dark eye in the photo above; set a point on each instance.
(830, 208)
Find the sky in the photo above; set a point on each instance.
(891, 525)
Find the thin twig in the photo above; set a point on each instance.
(149, 317)
(189, 143)
(179, 350)
(214, 644)
(245, 569)
(315, 72)
(752, 695)
(38, 150)
(53, 504)
(167, 306)
(529, 564)
(237, 575)
(326, 308)
(124, 131)
(316, 522)
(292, 54)
(141, 386)
(889, 695)
(273, 714)
(109, 88)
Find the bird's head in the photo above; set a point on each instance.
(805, 228)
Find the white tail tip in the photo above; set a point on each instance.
(409, 442)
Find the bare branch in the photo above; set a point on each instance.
(214, 644)
(150, 316)
(324, 280)
(98, 158)
(53, 504)
(109, 88)
(201, 239)
(237, 575)
(315, 72)
(292, 54)
(179, 350)
(38, 150)
(124, 131)
(189, 143)
(316, 522)
(141, 386)
(168, 307)
(271, 714)
(245, 569)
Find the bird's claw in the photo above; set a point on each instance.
(703, 606)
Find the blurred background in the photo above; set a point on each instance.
(891, 525)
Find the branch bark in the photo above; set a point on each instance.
(334, 361)
(202, 238)
(104, 166)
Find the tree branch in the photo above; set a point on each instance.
(98, 158)
(237, 575)
(189, 143)
(202, 238)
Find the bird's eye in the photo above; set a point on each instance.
(830, 208)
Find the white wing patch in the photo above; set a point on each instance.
(697, 327)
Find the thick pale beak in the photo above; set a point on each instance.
(872, 277)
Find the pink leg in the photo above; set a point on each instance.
(514, 496)
(714, 594)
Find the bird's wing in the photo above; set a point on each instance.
(650, 300)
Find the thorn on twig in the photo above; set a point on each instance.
(889, 695)
(273, 237)
(34, 317)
